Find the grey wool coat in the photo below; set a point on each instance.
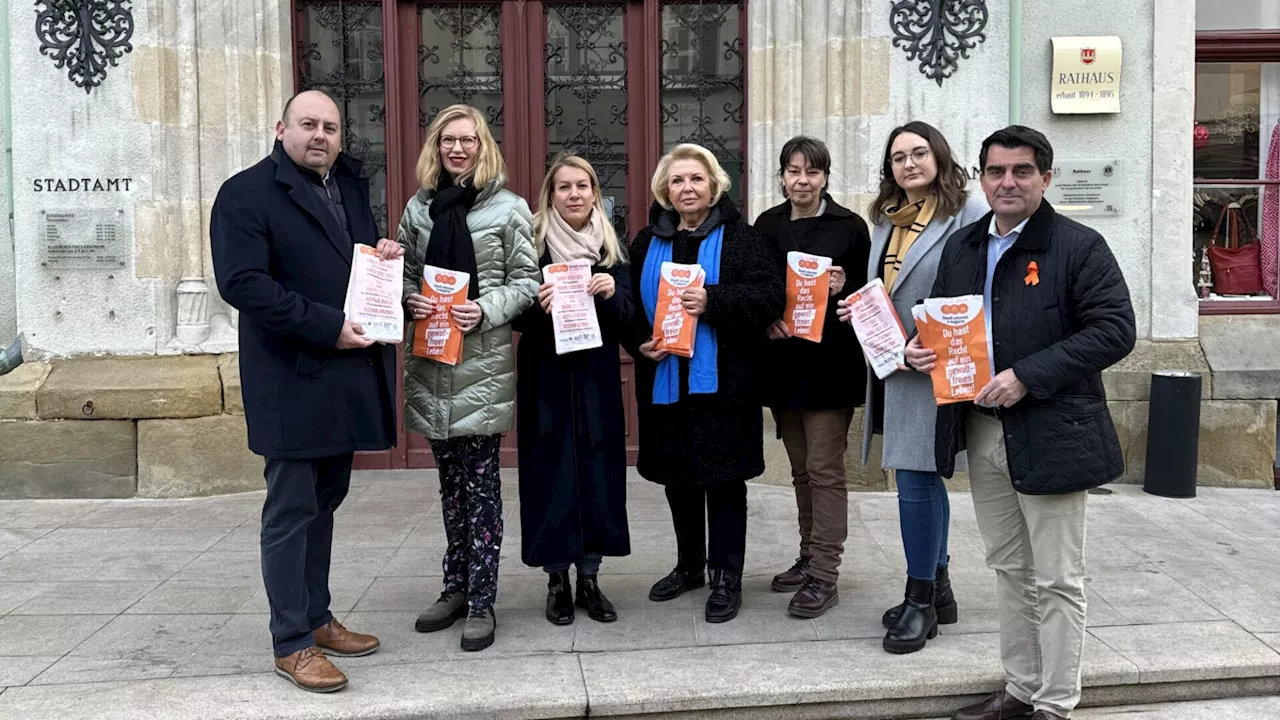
(477, 396)
(910, 410)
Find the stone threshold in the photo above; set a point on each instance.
(851, 679)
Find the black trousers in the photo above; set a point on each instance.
(724, 511)
(297, 538)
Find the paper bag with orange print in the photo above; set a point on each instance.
(672, 326)
(808, 284)
(437, 337)
(956, 331)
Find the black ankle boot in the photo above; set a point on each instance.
(918, 622)
(559, 598)
(943, 599)
(593, 601)
(726, 596)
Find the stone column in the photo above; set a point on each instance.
(212, 88)
(812, 71)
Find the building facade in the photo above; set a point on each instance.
(122, 118)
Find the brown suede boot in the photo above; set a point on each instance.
(310, 670)
(338, 641)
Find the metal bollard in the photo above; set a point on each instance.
(1173, 434)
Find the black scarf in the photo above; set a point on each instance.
(450, 246)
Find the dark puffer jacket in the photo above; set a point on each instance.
(1058, 335)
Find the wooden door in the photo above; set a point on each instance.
(616, 81)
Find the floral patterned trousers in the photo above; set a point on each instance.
(471, 502)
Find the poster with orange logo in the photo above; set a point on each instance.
(437, 337)
(808, 285)
(675, 328)
(573, 309)
(373, 295)
(956, 331)
(878, 327)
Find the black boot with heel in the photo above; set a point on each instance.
(943, 599)
(559, 598)
(918, 621)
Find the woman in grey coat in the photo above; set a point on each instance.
(923, 200)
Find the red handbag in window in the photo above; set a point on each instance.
(1236, 270)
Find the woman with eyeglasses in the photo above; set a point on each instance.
(463, 219)
(923, 200)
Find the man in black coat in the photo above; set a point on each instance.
(1039, 434)
(315, 390)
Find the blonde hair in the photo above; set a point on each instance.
(718, 178)
(611, 250)
(489, 164)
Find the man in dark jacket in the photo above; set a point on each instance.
(1039, 434)
(315, 390)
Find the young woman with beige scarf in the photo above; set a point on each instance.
(569, 418)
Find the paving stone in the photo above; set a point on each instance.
(43, 459)
(134, 647)
(11, 540)
(22, 670)
(1179, 652)
(1148, 599)
(549, 688)
(196, 456)
(403, 594)
(196, 597)
(44, 635)
(48, 514)
(344, 593)
(90, 539)
(756, 625)
(62, 566)
(123, 388)
(14, 594)
(85, 598)
(651, 628)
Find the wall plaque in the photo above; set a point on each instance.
(1086, 75)
(84, 239)
(1086, 187)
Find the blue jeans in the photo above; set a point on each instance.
(924, 515)
(588, 565)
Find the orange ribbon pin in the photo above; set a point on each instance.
(1033, 273)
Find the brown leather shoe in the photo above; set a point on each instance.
(998, 706)
(338, 641)
(815, 598)
(310, 670)
(791, 579)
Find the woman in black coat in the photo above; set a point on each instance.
(701, 425)
(816, 385)
(569, 413)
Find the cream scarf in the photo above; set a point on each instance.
(567, 244)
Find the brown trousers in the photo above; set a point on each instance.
(815, 441)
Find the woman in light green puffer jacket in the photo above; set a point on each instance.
(463, 219)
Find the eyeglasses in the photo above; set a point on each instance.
(918, 156)
(468, 142)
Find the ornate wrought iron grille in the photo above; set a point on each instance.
(703, 79)
(460, 61)
(938, 32)
(84, 36)
(585, 84)
(340, 51)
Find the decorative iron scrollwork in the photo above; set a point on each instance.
(703, 80)
(470, 70)
(85, 36)
(938, 33)
(341, 52)
(585, 81)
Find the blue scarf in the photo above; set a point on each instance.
(704, 373)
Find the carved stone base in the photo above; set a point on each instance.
(193, 312)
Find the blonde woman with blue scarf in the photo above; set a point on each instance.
(701, 425)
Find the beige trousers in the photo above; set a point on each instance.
(816, 441)
(1035, 544)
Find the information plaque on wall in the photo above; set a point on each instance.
(1086, 187)
(84, 239)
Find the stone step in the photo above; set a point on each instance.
(850, 679)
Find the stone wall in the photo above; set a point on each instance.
(193, 102)
(116, 427)
(8, 298)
